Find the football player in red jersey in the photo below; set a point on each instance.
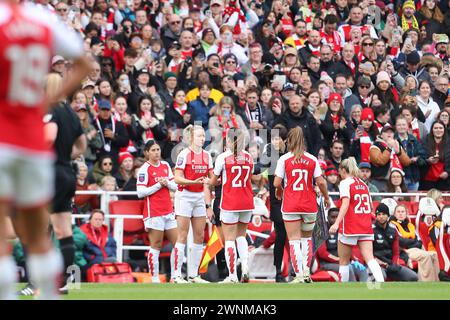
(235, 167)
(299, 170)
(354, 221)
(192, 200)
(155, 181)
(29, 37)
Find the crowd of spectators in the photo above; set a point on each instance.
(368, 79)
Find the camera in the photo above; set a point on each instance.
(216, 64)
(188, 61)
(268, 67)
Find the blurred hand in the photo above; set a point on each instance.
(334, 228)
(108, 133)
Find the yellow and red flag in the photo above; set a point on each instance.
(213, 246)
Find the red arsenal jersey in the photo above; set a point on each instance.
(194, 166)
(236, 172)
(159, 203)
(358, 219)
(29, 37)
(298, 174)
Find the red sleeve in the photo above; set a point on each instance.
(323, 254)
(395, 250)
(270, 240)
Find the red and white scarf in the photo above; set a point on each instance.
(180, 109)
(414, 126)
(226, 126)
(364, 145)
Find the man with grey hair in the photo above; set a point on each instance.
(441, 90)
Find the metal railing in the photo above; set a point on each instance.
(105, 198)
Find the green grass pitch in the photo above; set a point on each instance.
(263, 291)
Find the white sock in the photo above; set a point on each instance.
(196, 253)
(296, 257)
(344, 271)
(178, 255)
(242, 249)
(306, 244)
(376, 270)
(153, 262)
(44, 270)
(8, 278)
(230, 257)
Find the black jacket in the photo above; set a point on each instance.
(414, 149)
(306, 121)
(330, 133)
(386, 243)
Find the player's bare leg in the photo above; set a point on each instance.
(293, 233)
(8, 274)
(242, 248)
(156, 239)
(183, 224)
(307, 249)
(172, 236)
(230, 232)
(43, 262)
(196, 252)
(366, 248)
(62, 226)
(345, 254)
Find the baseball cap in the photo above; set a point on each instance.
(96, 40)
(364, 165)
(88, 83)
(331, 169)
(57, 59)
(143, 71)
(175, 45)
(387, 127)
(382, 208)
(195, 8)
(290, 50)
(413, 58)
(104, 105)
(441, 38)
(213, 2)
(288, 86)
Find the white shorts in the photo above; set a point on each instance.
(190, 204)
(353, 240)
(26, 178)
(161, 223)
(231, 217)
(308, 219)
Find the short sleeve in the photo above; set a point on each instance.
(220, 162)
(169, 171)
(181, 160)
(280, 170)
(142, 177)
(67, 43)
(317, 170)
(210, 162)
(344, 189)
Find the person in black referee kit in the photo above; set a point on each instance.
(65, 134)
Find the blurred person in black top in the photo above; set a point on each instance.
(271, 153)
(63, 131)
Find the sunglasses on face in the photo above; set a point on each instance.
(364, 87)
(175, 22)
(367, 44)
(62, 10)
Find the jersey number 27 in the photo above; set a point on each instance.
(240, 179)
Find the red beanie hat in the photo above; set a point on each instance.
(367, 114)
(124, 155)
(335, 96)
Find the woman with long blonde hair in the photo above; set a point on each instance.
(295, 174)
(192, 200)
(354, 221)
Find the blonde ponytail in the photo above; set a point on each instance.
(350, 166)
(296, 142)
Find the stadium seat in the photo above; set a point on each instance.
(133, 229)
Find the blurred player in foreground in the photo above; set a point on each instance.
(28, 39)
